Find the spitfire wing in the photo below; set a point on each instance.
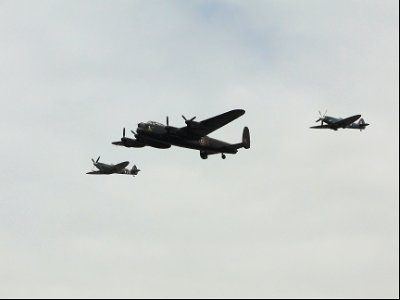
(345, 122)
(205, 127)
(120, 166)
(322, 127)
(95, 173)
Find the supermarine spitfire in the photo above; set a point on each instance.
(192, 136)
(336, 123)
(104, 169)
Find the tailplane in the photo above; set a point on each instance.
(362, 124)
(244, 144)
(135, 170)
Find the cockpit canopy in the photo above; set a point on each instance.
(154, 123)
(151, 126)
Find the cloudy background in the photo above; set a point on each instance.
(301, 214)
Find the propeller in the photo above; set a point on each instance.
(322, 117)
(167, 127)
(119, 143)
(188, 122)
(95, 162)
(125, 141)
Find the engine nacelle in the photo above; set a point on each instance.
(131, 143)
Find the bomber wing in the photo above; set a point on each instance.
(199, 129)
(127, 142)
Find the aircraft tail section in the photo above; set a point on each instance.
(246, 138)
(362, 125)
(135, 170)
(244, 144)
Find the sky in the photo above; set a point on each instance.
(302, 213)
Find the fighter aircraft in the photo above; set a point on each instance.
(104, 169)
(192, 136)
(336, 123)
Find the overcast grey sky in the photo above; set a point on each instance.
(301, 214)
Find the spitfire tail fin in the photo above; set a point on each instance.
(362, 124)
(135, 170)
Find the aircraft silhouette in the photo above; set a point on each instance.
(192, 136)
(336, 123)
(105, 169)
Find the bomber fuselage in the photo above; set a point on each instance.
(165, 136)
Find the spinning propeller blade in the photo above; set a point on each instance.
(322, 117)
(188, 122)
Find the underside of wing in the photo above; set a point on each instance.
(95, 173)
(203, 128)
(322, 127)
(127, 142)
(158, 145)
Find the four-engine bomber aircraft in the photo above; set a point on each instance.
(336, 123)
(104, 169)
(192, 136)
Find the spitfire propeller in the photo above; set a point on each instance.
(322, 117)
(95, 162)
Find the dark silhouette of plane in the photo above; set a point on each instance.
(104, 169)
(192, 136)
(336, 123)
